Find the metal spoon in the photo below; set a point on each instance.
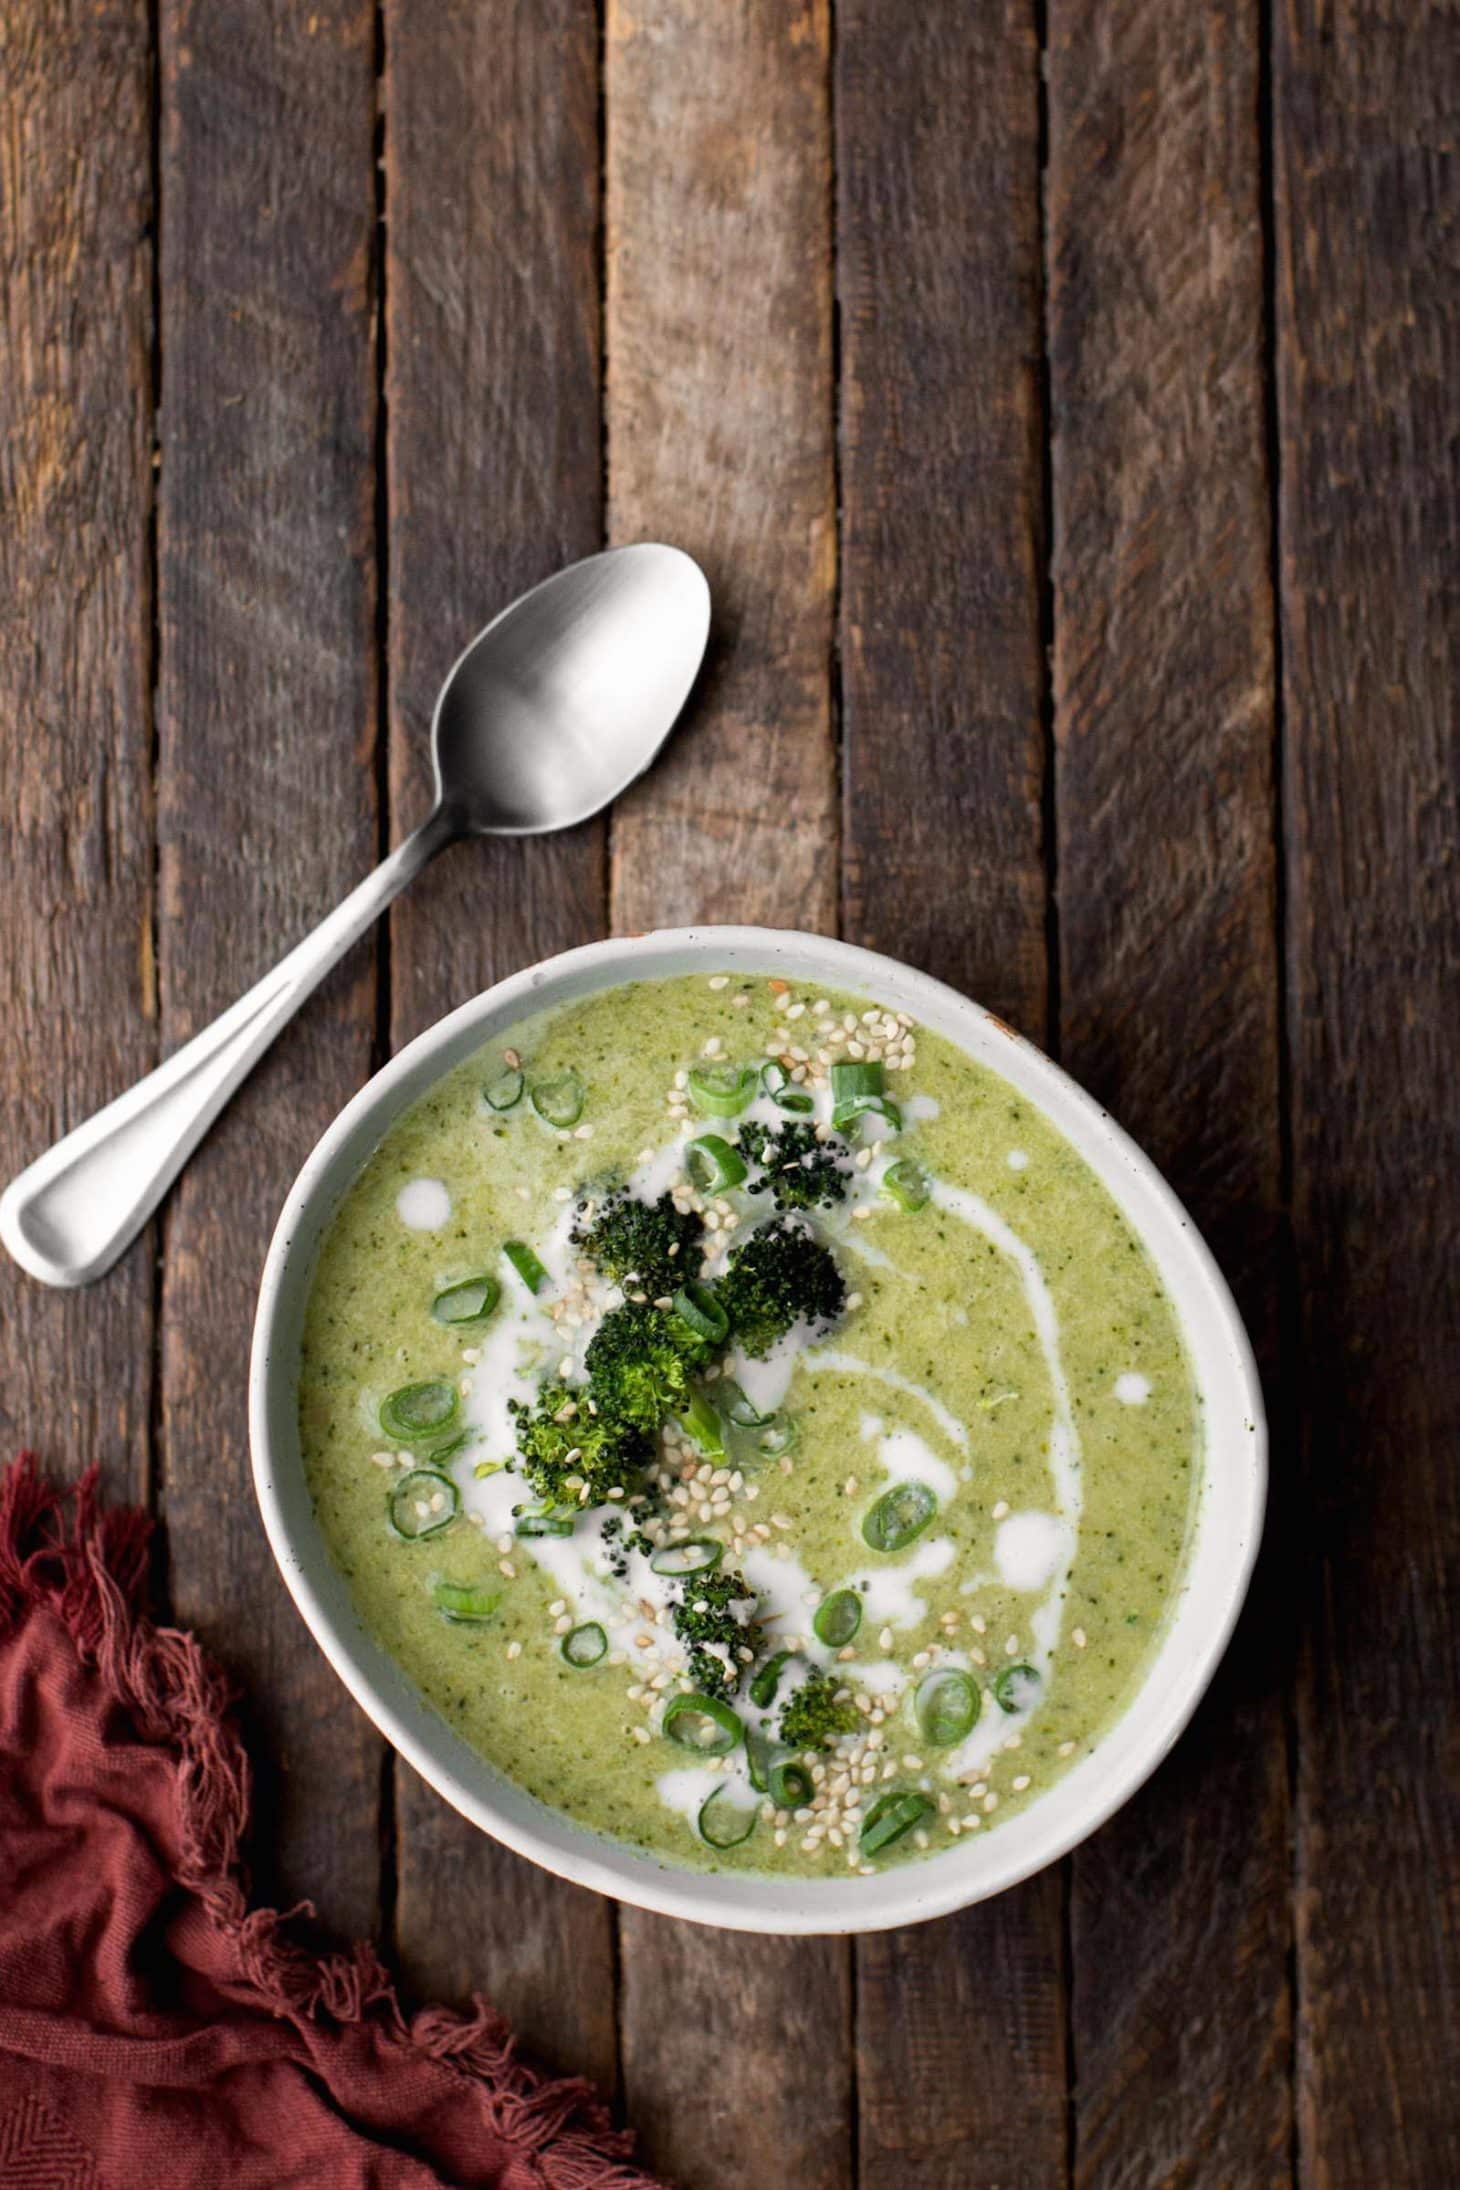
(549, 714)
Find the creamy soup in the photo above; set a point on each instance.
(751, 1425)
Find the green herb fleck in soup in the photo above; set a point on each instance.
(751, 1425)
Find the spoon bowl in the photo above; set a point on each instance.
(559, 704)
(568, 695)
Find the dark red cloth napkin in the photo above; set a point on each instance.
(155, 2030)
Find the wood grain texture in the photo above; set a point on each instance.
(720, 438)
(719, 411)
(1367, 236)
(495, 471)
(75, 718)
(1164, 721)
(942, 434)
(943, 749)
(266, 808)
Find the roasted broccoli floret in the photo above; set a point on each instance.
(819, 1709)
(640, 1363)
(715, 1620)
(779, 1276)
(652, 1242)
(797, 1170)
(564, 1448)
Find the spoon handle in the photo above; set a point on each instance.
(77, 1208)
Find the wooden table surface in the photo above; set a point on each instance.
(1062, 398)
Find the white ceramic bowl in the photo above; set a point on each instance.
(1223, 1546)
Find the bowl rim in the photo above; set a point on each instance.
(906, 1893)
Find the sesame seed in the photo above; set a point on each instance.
(1001, 1509)
(1021, 1783)
(514, 1649)
(505, 1566)
(1066, 1749)
(719, 980)
(1077, 1637)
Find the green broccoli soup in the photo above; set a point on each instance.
(751, 1425)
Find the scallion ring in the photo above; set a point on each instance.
(946, 1706)
(780, 1435)
(420, 1414)
(699, 1555)
(721, 1090)
(743, 1412)
(1017, 1688)
(892, 1815)
(549, 1521)
(465, 1602)
(713, 1165)
(584, 1646)
(767, 1680)
(701, 1723)
(788, 1784)
(727, 1817)
(837, 1618)
(908, 1184)
(784, 1092)
(559, 1101)
(526, 1264)
(505, 1092)
(422, 1504)
(899, 1515)
(469, 1300)
(697, 1306)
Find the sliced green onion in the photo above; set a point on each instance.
(783, 1091)
(837, 1618)
(899, 1515)
(549, 1521)
(560, 1101)
(721, 1090)
(788, 1784)
(584, 1646)
(465, 1601)
(702, 1723)
(764, 1684)
(858, 1088)
(697, 1306)
(892, 1815)
(700, 1555)
(713, 1165)
(946, 1705)
(700, 1422)
(470, 1300)
(411, 1506)
(419, 1414)
(525, 1263)
(727, 1817)
(908, 1184)
(779, 1436)
(505, 1092)
(760, 1752)
(738, 1409)
(881, 1106)
(849, 1082)
(1017, 1688)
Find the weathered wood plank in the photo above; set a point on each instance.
(1164, 707)
(1368, 323)
(266, 805)
(720, 438)
(943, 760)
(75, 646)
(495, 471)
(942, 490)
(719, 409)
